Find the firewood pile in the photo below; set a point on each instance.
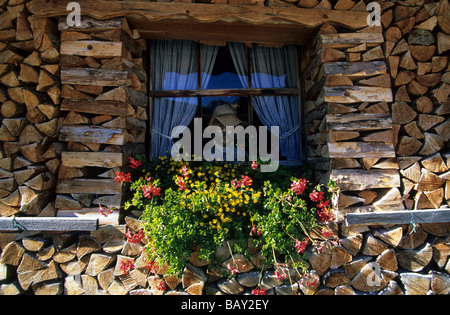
(103, 113)
(29, 111)
(380, 260)
(416, 48)
(380, 129)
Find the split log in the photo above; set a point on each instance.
(361, 150)
(415, 284)
(415, 260)
(360, 180)
(432, 144)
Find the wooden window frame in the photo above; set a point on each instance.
(249, 92)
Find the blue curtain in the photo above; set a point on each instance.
(274, 68)
(175, 68)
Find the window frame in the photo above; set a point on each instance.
(249, 92)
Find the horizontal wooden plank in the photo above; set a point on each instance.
(225, 92)
(344, 40)
(112, 108)
(355, 69)
(98, 77)
(358, 122)
(92, 48)
(48, 224)
(354, 180)
(361, 150)
(95, 159)
(94, 134)
(90, 214)
(107, 186)
(399, 217)
(357, 94)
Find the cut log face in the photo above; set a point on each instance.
(415, 260)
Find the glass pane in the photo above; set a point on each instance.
(210, 109)
(174, 65)
(219, 71)
(281, 112)
(274, 67)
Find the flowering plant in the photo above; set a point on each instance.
(188, 205)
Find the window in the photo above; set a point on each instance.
(225, 86)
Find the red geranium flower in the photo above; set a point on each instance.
(134, 238)
(181, 184)
(151, 191)
(298, 187)
(121, 177)
(301, 246)
(135, 163)
(316, 196)
(259, 291)
(126, 266)
(104, 211)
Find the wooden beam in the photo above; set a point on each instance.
(47, 224)
(197, 12)
(398, 217)
(226, 92)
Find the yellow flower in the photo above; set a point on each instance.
(201, 224)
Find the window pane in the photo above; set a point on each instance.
(210, 104)
(174, 65)
(219, 70)
(281, 111)
(168, 113)
(274, 67)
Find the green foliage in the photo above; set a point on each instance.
(199, 205)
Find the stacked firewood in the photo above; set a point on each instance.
(386, 261)
(417, 45)
(356, 134)
(350, 130)
(104, 108)
(29, 111)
